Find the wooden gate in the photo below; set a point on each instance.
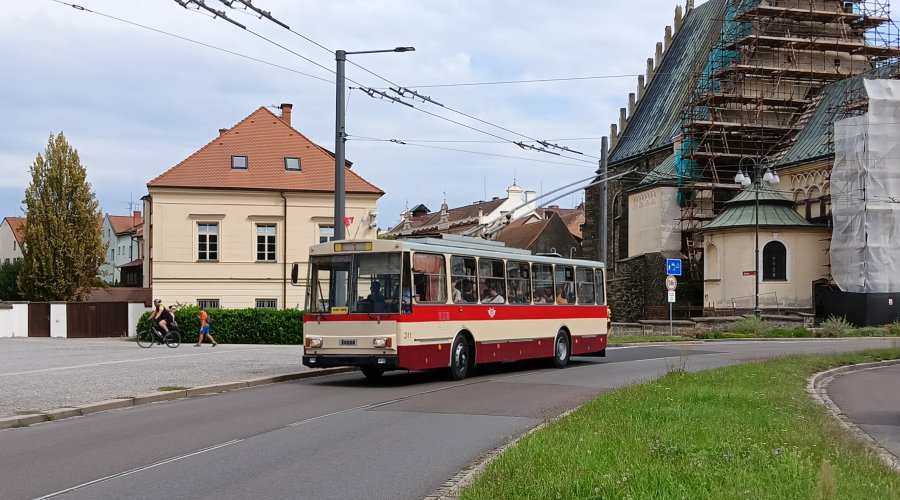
(39, 319)
(96, 319)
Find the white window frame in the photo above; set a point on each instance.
(267, 303)
(208, 303)
(274, 241)
(218, 235)
(325, 226)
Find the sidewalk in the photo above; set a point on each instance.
(51, 378)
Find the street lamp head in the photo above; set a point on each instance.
(405, 49)
(739, 178)
(768, 177)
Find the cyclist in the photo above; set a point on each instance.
(162, 316)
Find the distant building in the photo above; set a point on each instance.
(475, 219)
(550, 235)
(123, 236)
(11, 239)
(224, 226)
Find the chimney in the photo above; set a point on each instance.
(286, 113)
(136, 215)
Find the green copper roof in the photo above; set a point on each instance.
(774, 210)
(657, 118)
(663, 172)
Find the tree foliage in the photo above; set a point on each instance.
(9, 289)
(62, 249)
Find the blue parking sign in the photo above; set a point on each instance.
(673, 267)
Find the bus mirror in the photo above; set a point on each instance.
(295, 270)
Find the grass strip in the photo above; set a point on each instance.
(638, 339)
(747, 431)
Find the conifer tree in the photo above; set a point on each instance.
(62, 249)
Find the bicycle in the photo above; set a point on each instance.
(152, 335)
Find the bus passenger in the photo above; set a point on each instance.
(376, 298)
(492, 296)
(457, 293)
(561, 295)
(468, 292)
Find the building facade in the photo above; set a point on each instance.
(122, 235)
(224, 226)
(11, 239)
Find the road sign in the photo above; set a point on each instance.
(749, 273)
(673, 267)
(671, 283)
(671, 296)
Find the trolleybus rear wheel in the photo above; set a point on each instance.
(561, 349)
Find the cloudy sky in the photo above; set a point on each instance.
(135, 101)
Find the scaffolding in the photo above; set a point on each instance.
(760, 84)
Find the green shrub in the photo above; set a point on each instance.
(795, 332)
(240, 326)
(752, 326)
(893, 329)
(836, 326)
(719, 335)
(868, 331)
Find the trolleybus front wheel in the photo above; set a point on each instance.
(561, 349)
(459, 358)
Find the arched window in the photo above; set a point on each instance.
(774, 262)
(712, 262)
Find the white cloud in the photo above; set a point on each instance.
(135, 102)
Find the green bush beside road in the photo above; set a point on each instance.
(747, 431)
(241, 326)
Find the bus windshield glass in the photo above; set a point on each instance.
(355, 283)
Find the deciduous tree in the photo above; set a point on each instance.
(9, 289)
(62, 249)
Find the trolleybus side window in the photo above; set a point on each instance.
(518, 279)
(491, 281)
(598, 278)
(429, 278)
(585, 281)
(565, 284)
(543, 283)
(463, 278)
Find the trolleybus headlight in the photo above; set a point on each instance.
(314, 342)
(382, 342)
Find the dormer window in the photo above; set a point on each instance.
(239, 162)
(291, 163)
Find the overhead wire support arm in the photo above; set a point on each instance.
(557, 146)
(535, 148)
(262, 13)
(373, 92)
(216, 13)
(403, 91)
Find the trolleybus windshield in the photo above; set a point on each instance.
(355, 283)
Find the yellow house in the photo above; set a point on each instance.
(223, 227)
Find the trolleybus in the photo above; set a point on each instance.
(448, 302)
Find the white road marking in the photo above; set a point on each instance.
(140, 469)
(89, 365)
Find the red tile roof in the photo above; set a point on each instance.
(265, 140)
(455, 216)
(16, 224)
(122, 224)
(120, 294)
(522, 236)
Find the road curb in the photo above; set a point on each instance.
(153, 397)
(817, 388)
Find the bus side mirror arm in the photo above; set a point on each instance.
(295, 271)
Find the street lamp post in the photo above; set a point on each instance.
(340, 137)
(746, 180)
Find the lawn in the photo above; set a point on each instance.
(634, 339)
(748, 431)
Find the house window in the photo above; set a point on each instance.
(208, 303)
(774, 262)
(239, 162)
(291, 163)
(266, 303)
(207, 241)
(265, 242)
(326, 234)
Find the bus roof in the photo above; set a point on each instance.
(459, 245)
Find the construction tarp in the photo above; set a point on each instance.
(865, 195)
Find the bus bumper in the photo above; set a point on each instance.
(387, 362)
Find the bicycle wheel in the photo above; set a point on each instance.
(146, 338)
(172, 339)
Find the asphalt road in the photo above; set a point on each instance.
(339, 436)
(871, 400)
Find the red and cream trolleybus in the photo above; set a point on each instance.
(450, 302)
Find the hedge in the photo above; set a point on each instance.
(240, 326)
